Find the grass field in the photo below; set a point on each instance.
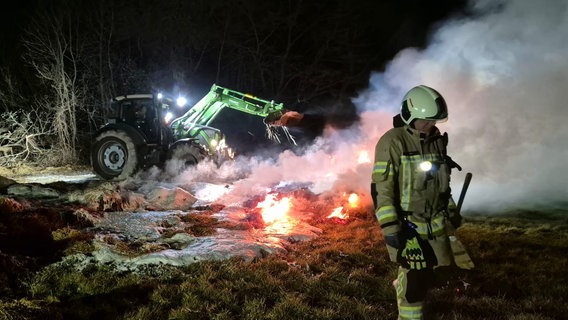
(521, 273)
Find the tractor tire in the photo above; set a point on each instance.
(114, 155)
(186, 155)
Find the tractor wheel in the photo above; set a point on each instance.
(185, 155)
(114, 155)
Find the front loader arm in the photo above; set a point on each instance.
(248, 103)
(207, 109)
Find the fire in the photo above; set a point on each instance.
(274, 210)
(337, 213)
(275, 214)
(353, 200)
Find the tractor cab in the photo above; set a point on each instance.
(145, 112)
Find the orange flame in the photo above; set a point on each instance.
(353, 200)
(337, 213)
(274, 210)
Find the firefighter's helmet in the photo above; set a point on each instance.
(422, 102)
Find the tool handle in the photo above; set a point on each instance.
(466, 182)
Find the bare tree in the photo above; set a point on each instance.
(54, 50)
(24, 137)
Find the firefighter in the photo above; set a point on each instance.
(411, 191)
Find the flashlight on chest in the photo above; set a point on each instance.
(425, 166)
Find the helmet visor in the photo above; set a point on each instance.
(442, 110)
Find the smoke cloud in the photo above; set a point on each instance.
(504, 75)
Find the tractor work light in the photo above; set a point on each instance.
(168, 117)
(181, 101)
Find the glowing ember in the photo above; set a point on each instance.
(337, 213)
(363, 157)
(274, 210)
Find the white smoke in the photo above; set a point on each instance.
(504, 75)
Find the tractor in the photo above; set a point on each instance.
(139, 132)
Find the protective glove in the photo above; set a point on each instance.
(412, 256)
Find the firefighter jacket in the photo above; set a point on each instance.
(405, 191)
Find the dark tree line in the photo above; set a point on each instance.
(69, 57)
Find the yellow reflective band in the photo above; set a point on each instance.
(417, 158)
(386, 214)
(437, 225)
(380, 167)
(410, 312)
(406, 187)
(410, 159)
(400, 284)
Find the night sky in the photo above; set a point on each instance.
(362, 37)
